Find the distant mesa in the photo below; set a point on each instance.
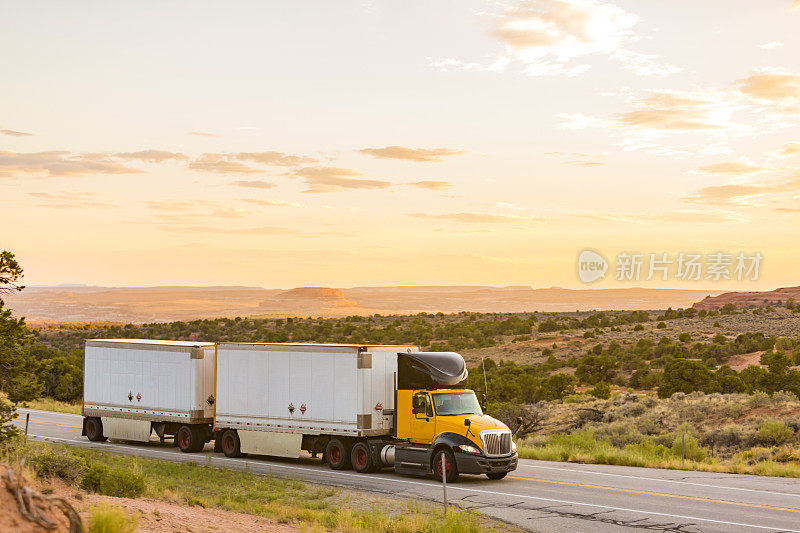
(749, 299)
(324, 296)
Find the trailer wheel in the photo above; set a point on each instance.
(231, 446)
(338, 455)
(189, 439)
(445, 457)
(94, 429)
(362, 458)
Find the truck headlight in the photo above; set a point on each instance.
(513, 446)
(468, 449)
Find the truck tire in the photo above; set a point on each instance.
(231, 446)
(361, 458)
(337, 454)
(94, 429)
(445, 456)
(496, 475)
(189, 439)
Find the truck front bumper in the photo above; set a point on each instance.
(468, 463)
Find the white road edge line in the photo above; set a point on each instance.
(522, 463)
(577, 471)
(212, 459)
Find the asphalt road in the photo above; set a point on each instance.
(538, 496)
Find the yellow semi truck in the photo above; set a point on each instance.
(365, 407)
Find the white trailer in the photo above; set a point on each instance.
(279, 399)
(133, 387)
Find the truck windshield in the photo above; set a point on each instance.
(456, 403)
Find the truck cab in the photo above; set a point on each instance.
(441, 426)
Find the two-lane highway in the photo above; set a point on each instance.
(538, 496)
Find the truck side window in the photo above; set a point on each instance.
(422, 402)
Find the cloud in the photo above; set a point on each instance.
(203, 134)
(254, 184)
(273, 158)
(732, 169)
(772, 85)
(672, 111)
(548, 36)
(59, 164)
(479, 218)
(152, 156)
(13, 133)
(726, 194)
(681, 217)
(222, 164)
(771, 45)
(270, 203)
(183, 211)
(433, 185)
(259, 230)
(795, 6)
(790, 148)
(741, 193)
(330, 179)
(69, 200)
(413, 154)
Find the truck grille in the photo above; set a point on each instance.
(496, 442)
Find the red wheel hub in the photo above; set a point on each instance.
(336, 454)
(185, 439)
(361, 458)
(228, 443)
(443, 457)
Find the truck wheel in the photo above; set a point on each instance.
(496, 475)
(231, 446)
(189, 439)
(362, 458)
(338, 455)
(445, 457)
(94, 429)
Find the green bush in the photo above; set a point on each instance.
(55, 462)
(774, 433)
(661, 325)
(110, 519)
(692, 449)
(601, 391)
(638, 327)
(684, 337)
(8, 412)
(116, 481)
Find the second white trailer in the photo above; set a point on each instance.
(279, 399)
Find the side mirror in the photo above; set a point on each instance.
(467, 422)
(417, 410)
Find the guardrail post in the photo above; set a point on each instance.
(444, 482)
(683, 447)
(27, 420)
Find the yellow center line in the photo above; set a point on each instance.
(657, 494)
(50, 423)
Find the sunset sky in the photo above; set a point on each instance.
(396, 143)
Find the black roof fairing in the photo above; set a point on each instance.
(430, 370)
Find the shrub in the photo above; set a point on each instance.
(116, 481)
(692, 449)
(661, 325)
(601, 390)
(8, 412)
(638, 327)
(110, 519)
(684, 337)
(774, 433)
(55, 462)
